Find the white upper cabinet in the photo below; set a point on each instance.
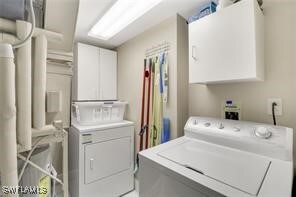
(228, 45)
(86, 72)
(95, 73)
(108, 74)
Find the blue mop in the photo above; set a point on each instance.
(165, 135)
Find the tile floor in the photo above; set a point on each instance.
(134, 193)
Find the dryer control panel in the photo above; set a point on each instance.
(254, 137)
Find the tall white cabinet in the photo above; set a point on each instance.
(95, 73)
(228, 45)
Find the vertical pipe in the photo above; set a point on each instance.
(39, 82)
(8, 145)
(23, 87)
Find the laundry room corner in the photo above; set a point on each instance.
(280, 71)
(147, 98)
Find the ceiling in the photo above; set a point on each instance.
(90, 11)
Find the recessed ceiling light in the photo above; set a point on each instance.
(120, 15)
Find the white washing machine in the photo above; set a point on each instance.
(220, 158)
(101, 159)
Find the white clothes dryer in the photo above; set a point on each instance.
(101, 159)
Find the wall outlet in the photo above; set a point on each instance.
(278, 110)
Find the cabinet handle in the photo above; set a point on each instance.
(193, 52)
(91, 163)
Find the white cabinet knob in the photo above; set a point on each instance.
(221, 126)
(236, 129)
(195, 122)
(262, 132)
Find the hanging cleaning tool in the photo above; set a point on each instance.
(165, 133)
(165, 122)
(148, 105)
(165, 137)
(153, 127)
(157, 110)
(165, 78)
(159, 100)
(145, 126)
(145, 106)
(141, 133)
(142, 129)
(161, 73)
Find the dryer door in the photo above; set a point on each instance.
(108, 158)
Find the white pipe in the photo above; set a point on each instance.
(39, 82)
(7, 38)
(47, 130)
(50, 35)
(23, 87)
(7, 26)
(8, 145)
(10, 27)
(29, 36)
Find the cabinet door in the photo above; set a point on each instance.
(222, 45)
(87, 72)
(108, 74)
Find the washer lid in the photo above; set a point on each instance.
(241, 170)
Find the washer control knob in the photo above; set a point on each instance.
(207, 124)
(236, 129)
(221, 126)
(262, 132)
(195, 122)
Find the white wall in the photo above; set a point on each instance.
(58, 78)
(183, 73)
(60, 16)
(280, 74)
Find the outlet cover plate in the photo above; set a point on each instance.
(278, 110)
